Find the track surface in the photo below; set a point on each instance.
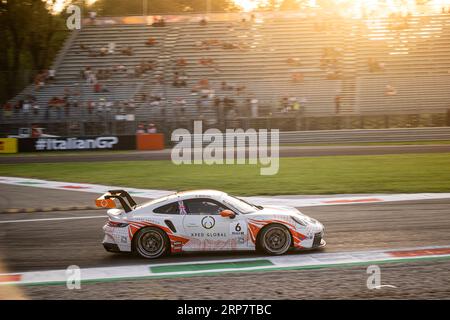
(294, 151)
(43, 245)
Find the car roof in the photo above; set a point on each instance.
(200, 193)
(214, 194)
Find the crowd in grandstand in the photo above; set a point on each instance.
(221, 97)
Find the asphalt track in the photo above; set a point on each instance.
(285, 151)
(55, 244)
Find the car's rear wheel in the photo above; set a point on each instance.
(151, 243)
(275, 239)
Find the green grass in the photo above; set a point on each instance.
(103, 152)
(385, 143)
(315, 175)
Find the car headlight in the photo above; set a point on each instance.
(299, 221)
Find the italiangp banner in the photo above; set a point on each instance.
(107, 142)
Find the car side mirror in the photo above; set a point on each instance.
(227, 214)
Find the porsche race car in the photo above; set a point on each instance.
(204, 220)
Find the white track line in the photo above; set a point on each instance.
(53, 219)
(284, 201)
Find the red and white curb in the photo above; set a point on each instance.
(279, 200)
(185, 269)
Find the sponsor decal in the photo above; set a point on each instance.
(238, 231)
(76, 143)
(208, 222)
(208, 234)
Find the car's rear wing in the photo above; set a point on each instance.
(107, 200)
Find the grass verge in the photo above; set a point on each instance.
(313, 175)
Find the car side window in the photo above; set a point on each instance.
(171, 208)
(203, 207)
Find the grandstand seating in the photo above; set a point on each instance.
(415, 57)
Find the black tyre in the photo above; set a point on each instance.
(274, 239)
(151, 243)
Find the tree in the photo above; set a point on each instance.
(136, 7)
(31, 35)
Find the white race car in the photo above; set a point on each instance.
(204, 220)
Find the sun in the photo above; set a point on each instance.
(59, 5)
(359, 8)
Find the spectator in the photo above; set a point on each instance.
(296, 106)
(180, 105)
(39, 81)
(97, 87)
(159, 22)
(203, 21)
(90, 106)
(374, 65)
(66, 107)
(254, 107)
(127, 51)
(18, 107)
(240, 89)
(390, 90)
(89, 76)
(36, 132)
(229, 45)
(297, 77)
(294, 62)
(179, 79)
(119, 68)
(51, 75)
(103, 51)
(284, 103)
(151, 128)
(92, 16)
(208, 62)
(7, 110)
(203, 83)
(150, 42)
(140, 129)
(111, 47)
(226, 87)
(181, 62)
(337, 103)
(35, 108)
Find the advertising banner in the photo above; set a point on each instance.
(107, 142)
(8, 145)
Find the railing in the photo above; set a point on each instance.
(346, 136)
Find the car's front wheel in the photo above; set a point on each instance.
(275, 239)
(151, 243)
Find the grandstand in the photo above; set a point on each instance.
(348, 69)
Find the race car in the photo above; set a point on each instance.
(204, 220)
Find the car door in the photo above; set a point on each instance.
(204, 226)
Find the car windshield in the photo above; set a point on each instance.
(240, 205)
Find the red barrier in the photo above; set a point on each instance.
(150, 141)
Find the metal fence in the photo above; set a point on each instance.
(342, 136)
